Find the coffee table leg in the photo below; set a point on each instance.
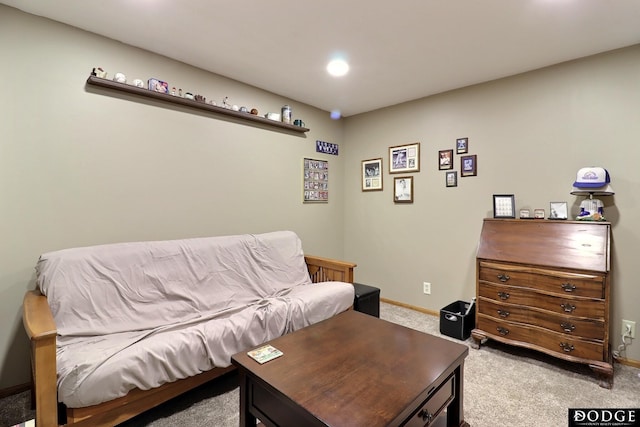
(246, 419)
(455, 412)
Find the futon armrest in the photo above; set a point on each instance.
(41, 328)
(327, 269)
(36, 317)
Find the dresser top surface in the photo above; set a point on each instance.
(560, 244)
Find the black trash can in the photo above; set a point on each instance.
(458, 319)
(367, 299)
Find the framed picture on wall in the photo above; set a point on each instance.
(445, 159)
(372, 175)
(316, 181)
(469, 165)
(451, 179)
(462, 145)
(403, 189)
(404, 158)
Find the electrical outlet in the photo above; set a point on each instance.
(628, 325)
(426, 288)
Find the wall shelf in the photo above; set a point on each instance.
(177, 100)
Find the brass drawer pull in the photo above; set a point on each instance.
(568, 287)
(568, 348)
(568, 308)
(503, 295)
(503, 277)
(502, 331)
(425, 415)
(503, 313)
(567, 327)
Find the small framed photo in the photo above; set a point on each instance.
(538, 213)
(404, 158)
(372, 175)
(525, 214)
(403, 189)
(469, 165)
(445, 159)
(558, 210)
(462, 145)
(504, 206)
(451, 179)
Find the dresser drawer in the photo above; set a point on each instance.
(433, 406)
(566, 305)
(551, 281)
(574, 326)
(562, 344)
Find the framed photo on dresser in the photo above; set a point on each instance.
(504, 206)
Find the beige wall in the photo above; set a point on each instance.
(82, 168)
(531, 134)
(79, 167)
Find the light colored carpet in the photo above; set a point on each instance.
(503, 386)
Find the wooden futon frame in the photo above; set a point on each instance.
(41, 329)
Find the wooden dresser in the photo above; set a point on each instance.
(544, 285)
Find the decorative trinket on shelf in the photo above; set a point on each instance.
(99, 72)
(138, 83)
(158, 86)
(120, 78)
(286, 114)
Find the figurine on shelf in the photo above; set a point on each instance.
(120, 78)
(180, 92)
(173, 91)
(592, 182)
(99, 72)
(225, 103)
(591, 210)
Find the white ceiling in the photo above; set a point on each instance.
(398, 50)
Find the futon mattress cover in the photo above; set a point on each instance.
(138, 315)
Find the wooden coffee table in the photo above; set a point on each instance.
(355, 370)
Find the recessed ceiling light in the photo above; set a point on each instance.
(338, 67)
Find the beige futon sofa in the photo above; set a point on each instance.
(117, 329)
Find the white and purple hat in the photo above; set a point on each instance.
(594, 180)
(592, 177)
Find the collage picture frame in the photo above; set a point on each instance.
(404, 158)
(316, 181)
(372, 175)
